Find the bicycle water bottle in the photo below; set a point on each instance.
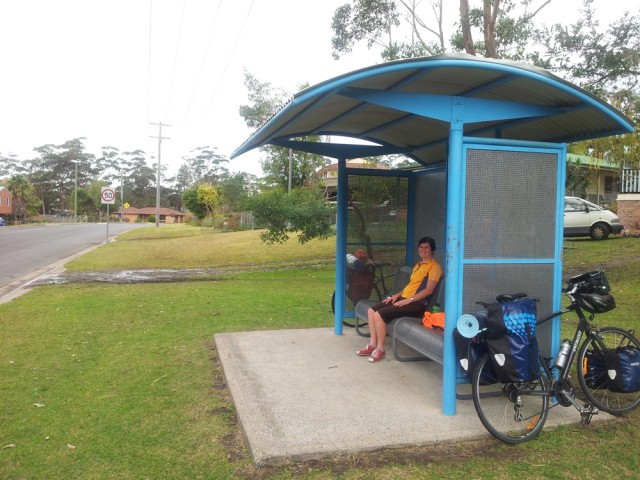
(563, 354)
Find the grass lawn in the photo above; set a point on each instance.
(109, 381)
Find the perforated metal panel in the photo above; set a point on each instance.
(484, 282)
(510, 204)
(509, 227)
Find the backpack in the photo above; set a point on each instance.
(511, 338)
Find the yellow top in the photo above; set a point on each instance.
(422, 272)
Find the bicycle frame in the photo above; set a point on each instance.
(583, 328)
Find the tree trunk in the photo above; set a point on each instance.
(491, 8)
(466, 27)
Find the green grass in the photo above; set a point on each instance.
(183, 246)
(107, 381)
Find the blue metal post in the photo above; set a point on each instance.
(453, 274)
(341, 244)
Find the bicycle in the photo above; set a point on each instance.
(516, 412)
(374, 287)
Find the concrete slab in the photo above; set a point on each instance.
(305, 394)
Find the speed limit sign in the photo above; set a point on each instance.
(108, 195)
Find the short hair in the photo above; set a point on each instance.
(430, 241)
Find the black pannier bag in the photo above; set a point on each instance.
(469, 352)
(623, 369)
(595, 371)
(511, 338)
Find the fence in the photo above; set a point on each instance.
(630, 180)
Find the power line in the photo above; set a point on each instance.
(175, 60)
(149, 64)
(229, 57)
(204, 60)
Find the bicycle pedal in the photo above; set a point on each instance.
(587, 414)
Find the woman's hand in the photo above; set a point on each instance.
(392, 299)
(402, 302)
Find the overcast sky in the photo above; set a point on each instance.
(106, 69)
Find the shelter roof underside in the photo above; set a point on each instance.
(409, 106)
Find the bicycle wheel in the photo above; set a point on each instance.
(375, 294)
(513, 413)
(594, 384)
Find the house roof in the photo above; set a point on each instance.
(409, 107)
(591, 162)
(149, 211)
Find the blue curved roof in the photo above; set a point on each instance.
(408, 107)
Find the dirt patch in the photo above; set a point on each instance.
(167, 275)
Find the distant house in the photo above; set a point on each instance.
(328, 175)
(132, 214)
(6, 202)
(603, 179)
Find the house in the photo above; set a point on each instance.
(328, 175)
(602, 179)
(6, 202)
(132, 214)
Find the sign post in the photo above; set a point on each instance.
(108, 196)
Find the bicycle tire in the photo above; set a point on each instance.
(495, 404)
(595, 389)
(345, 322)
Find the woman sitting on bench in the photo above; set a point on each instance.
(410, 302)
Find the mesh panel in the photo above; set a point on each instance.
(377, 224)
(484, 282)
(510, 207)
(510, 203)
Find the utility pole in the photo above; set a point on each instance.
(160, 138)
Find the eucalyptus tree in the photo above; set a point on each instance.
(64, 168)
(281, 166)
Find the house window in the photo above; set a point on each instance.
(8, 201)
(608, 184)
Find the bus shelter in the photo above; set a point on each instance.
(489, 141)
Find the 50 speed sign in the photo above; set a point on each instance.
(108, 195)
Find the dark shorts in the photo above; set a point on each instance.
(389, 312)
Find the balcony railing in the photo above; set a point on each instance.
(630, 180)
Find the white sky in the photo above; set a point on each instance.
(105, 69)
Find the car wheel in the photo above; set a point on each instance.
(599, 231)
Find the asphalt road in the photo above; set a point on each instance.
(31, 250)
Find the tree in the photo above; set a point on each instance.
(505, 27)
(203, 165)
(139, 179)
(25, 200)
(234, 191)
(600, 61)
(303, 210)
(202, 200)
(209, 197)
(265, 102)
(64, 167)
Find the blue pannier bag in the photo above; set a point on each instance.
(623, 369)
(511, 338)
(594, 371)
